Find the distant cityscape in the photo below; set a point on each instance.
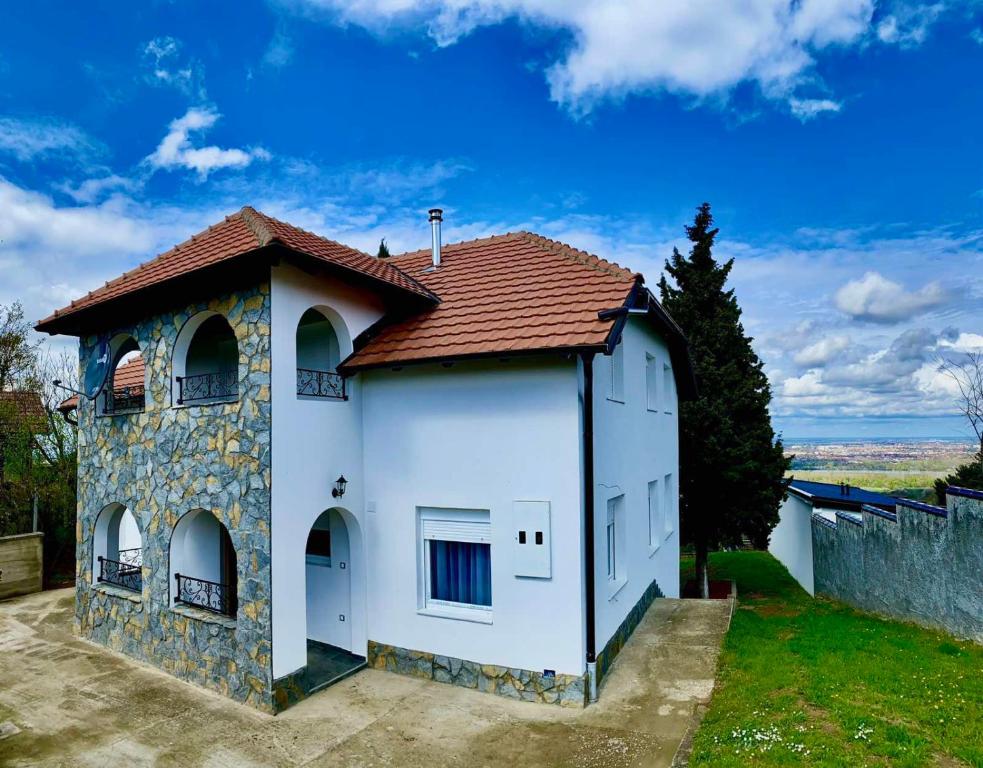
(879, 454)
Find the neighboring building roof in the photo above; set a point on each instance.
(839, 496)
(25, 408)
(130, 374)
(245, 232)
(518, 292)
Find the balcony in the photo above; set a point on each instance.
(207, 595)
(320, 384)
(207, 387)
(124, 400)
(125, 572)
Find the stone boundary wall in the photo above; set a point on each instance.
(921, 563)
(163, 463)
(522, 684)
(21, 564)
(613, 646)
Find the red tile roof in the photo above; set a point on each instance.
(239, 234)
(518, 292)
(24, 408)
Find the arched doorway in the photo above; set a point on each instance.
(328, 566)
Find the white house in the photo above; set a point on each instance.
(459, 463)
(791, 540)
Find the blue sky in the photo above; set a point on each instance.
(837, 140)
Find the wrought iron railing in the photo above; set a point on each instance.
(121, 574)
(207, 386)
(320, 384)
(124, 400)
(207, 595)
(132, 556)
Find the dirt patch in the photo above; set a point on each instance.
(719, 590)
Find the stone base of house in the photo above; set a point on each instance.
(513, 683)
(613, 646)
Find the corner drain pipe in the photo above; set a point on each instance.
(588, 359)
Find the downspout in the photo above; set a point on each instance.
(588, 358)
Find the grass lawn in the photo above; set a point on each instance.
(806, 681)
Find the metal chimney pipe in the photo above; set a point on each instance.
(436, 216)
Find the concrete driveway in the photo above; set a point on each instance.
(65, 702)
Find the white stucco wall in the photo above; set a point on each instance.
(791, 540)
(633, 446)
(314, 441)
(476, 436)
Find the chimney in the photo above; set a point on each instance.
(436, 216)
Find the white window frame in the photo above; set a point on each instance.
(616, 388)
(668, 504)
(668, 388)
(655, 517)
(458, 525)
(652, 382)
(615, 549)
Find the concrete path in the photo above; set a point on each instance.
(65, 702)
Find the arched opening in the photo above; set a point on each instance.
(329, 553)
(206, 361)
(204, 571)
(125, 391)
(117, 549)
(318, 355)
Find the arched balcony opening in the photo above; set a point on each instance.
(125, 390)
(318, 355)
(204, 571)
(206, 361)
(117, 549)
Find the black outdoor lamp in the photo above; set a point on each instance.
(339, 487)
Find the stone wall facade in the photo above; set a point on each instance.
(921, 563)
(163, 463)
(513, 683)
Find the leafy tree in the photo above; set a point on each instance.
(968, 475)
(383, 250)
(18, 352)
(732, 467)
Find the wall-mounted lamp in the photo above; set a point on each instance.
(339, 487)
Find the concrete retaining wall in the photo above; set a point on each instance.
(921, 564)
(21, 564)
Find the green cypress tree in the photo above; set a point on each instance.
(732, 467)
(383, 250)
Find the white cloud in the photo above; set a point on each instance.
(176, 151)
(873, 297)
(965, 342)
(696, 49)
(163, 62)
(279, 52)
(90, 190)
(908, 24)
(823, 351)
(808, 109)
(28, 139)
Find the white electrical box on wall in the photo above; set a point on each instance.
(531, 539)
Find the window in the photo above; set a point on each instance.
(203, 570)
(668, 388)
(651, 382)
(617, 392)
(615, 542)
(319, 547)
(669, 505)
(456, 561)
(655, 519)
(124, 389)
(318, 355)
(117, 549)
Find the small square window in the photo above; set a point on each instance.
(456, 560)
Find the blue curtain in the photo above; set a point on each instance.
(460, 572)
